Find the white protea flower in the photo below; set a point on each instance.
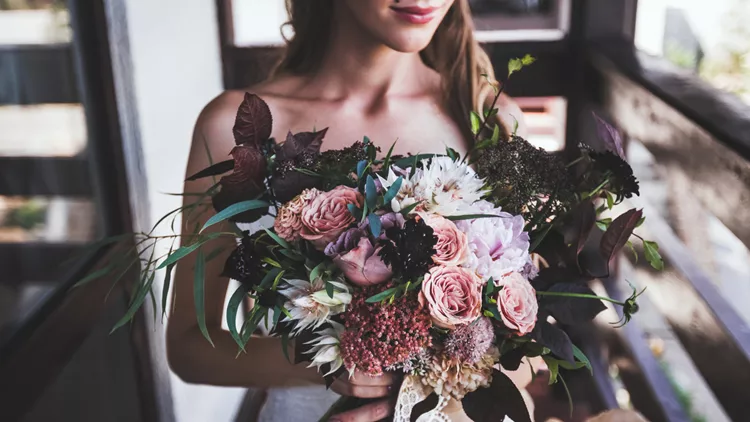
(325, 348)
(444, 187)
(405, 196)
(310, 305)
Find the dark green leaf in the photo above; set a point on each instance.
(476, 123)
(237, 299)
(538, 238)
(371, 193)
(356, 212)
(285, 346)
(186, 250)
(382, 295)
(307, 172)
(555, 339)
(269, 278)
(329, 289)
(96, 274)
(410, 160)
(361, 166)
(315, 272)
(572, 310)
(393, 190)
(640, 222)
(233, 210)
(452, 154)
(495, 134)
(410, 208)
(366, 140)
(165, 287)
(653, 257)
(215, 253)
(502, 398)
(216, 169)
(375, 226)
(553, 365)
(283, 243)
(578, 353)
(199, 295)
(387, 161)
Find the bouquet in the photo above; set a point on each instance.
(438, 267)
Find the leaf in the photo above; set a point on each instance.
(382, 295)
(387, 160)
(553, 365)
(496, 134)
(253, 123)
(165, 287)
(511, 360)
(371, 193)
(471, 216)
(515, 126)
(269, 278)
(136, 303)
(329, 289)
(476, 123)
(554, 339)
(233, 306)
(528, 60)
(610, 199)
(514, 65)
(572, 310)
(361, 167)
(609, 136)
(233, 210)
(356, 212)
(214, 170)
(585, 217)
(630, 246)
(199, 295)
(186, 250)
(652, 255)
(366, 141)
(96, 274)
(375, 225)
(502, 398)
(393, 190)
(283, 243)
(285, 346)
(640, 222)
(410, 208)
(578, 353)
(315, 272)
(618, 233)
(452, 154)
(603, 223)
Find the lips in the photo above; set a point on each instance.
(416, 15)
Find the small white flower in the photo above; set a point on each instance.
(309, 303)
(326, 349)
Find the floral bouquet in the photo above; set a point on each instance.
(441, 268)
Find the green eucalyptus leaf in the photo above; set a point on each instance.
(330, 289)
(233, 210)
(283, 243)
(136, 303)
(235, 301)
(355, 212)
(199, 295)
(578, 353)
(186, 250)
(382, 295)
(393, 190)
(371, 193)
(375, 225)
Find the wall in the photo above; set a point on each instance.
(176, 70)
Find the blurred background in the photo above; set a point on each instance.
(95, 94)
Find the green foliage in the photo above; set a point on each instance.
(28, 216)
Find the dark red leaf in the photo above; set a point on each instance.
(423, 407)
(502, 398)
(295, 144)
(618, 233)
(610, 136)
(214, 170)
(572, 310)
(244, 183)
(254, 122)
(585, 218)
(555, 339)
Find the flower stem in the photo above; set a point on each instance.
(582, 296)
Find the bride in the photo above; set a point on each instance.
(390, 69)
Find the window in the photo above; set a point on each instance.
(711, 41)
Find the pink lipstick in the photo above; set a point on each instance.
(416, 15)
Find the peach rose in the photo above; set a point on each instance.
(517, 303)
(452, 244)
(327, 216)
(453, 296)
(288, 223)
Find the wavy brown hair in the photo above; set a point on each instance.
(453, 52)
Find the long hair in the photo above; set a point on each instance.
(453, 52)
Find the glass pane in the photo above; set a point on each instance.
(711, 42)
(545, 119)
(44, 130)
(33, 22)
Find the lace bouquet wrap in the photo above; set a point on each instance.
(441, 268)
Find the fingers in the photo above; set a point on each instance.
(369, 413)
(341, 386)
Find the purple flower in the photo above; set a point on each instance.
(467, 344)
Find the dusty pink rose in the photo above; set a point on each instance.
(288, 223)
(452, 244)
(327, 216)
(453, 296)
(517, 303)
(362, 265)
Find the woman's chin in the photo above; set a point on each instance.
(409, 43)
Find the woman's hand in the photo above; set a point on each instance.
(367, 387)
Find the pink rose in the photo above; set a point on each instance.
(452, 244)
(453, 296)
(327, 216)
(362, 265)
(517, 303)
(288, 223)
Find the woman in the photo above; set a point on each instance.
(389, 69)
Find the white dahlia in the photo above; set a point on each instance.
(310, 305)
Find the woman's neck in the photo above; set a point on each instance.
(358, 67)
